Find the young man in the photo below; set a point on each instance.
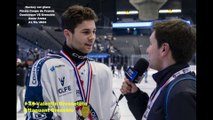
(68, 85)
(172, 45)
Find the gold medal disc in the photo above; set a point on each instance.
(85, 111)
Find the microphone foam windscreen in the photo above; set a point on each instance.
(141, 66)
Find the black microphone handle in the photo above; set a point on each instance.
(120, 97)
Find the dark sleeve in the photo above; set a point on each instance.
(182, 106)
(137, 103)
(22, 74)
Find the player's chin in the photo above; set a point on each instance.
(88, 50)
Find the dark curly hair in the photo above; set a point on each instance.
(75, 15)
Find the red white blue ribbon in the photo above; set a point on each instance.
(85, 97)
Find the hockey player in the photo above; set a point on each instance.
(68, 85)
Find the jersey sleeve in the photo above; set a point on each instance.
(114, 107)
(36, 98)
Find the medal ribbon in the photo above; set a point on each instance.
(153, 97)
(85, 97)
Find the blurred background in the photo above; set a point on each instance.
(123, 28)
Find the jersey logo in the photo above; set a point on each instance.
(64, 89)
(52, 68)
(33, 78)
(62, 80)
(39, 116)
(57, 66)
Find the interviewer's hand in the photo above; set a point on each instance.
(128, 87)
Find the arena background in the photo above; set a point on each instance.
(114, 45)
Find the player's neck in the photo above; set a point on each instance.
(74, 54)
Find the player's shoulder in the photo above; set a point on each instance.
(48, 59)
(99, 66)
(98, 63)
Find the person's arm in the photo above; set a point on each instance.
(22, 74)
(137, 103)
(182, 106)
(136, 99)
(36, 94)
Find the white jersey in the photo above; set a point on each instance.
(57, 90)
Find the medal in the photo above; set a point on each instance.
(84, 92)
(85, 111)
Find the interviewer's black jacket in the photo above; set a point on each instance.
(181, 102)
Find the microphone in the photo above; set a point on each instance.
(135, 74)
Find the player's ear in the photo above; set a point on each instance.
(67, 33)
